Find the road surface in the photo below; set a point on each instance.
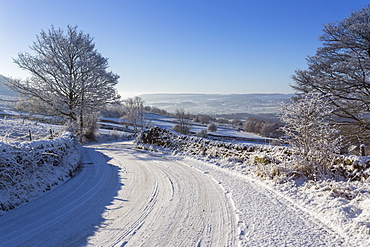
(126, 197)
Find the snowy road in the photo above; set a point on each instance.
(124, 197)
(265, 217)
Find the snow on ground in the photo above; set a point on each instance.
(266, 218)
(132, 200)
(29, 169)
(223, 131)
(123, 197)
(341, 208)
(12, 130)
(168, 123)
(126, 197)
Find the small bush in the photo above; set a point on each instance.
(212, 127)
(261, 160)
(91, 126)
(181, 129)
(202, 133)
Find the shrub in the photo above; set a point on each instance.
(91, 126)
(312, 137)
(202, 133)
(212, 127)
(181, 129)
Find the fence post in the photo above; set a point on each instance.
(29, 134)
(362, 150)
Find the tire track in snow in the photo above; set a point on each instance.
(265, 218)
(136, 199)
(190, 209)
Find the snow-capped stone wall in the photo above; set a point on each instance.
(28, 169)
(264, 160)
(205, 147)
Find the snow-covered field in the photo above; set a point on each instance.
(168, 123)
(12, 130)
(223, 132)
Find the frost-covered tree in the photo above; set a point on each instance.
(340, 70)
(204, 119)
(183, 121)
(68, 75)
(202, 133)
(253, 125)
(269, 129)
(310, 133)
(134, 113)
(212, 127)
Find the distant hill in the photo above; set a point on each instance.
(217, 103)
(4, 90)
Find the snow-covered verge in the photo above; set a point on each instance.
(341, 201)
(28, 169)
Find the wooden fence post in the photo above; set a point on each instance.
(29, 134)
(362, 150)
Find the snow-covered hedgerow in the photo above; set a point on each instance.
(272, 162)
(28, 169)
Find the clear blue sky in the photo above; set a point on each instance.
(183, 46)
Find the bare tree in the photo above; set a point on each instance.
(340, 70)
(212, 127)
(68, 75)
(269, 129)
(183, 120)
(134, 113)
(204, 119)
(253, 125)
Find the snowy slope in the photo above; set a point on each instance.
(12, 130)
(170, 122)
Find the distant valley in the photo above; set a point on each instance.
(210, 104)
(4, 90)
(213, 104)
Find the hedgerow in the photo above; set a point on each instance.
(28, 169)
